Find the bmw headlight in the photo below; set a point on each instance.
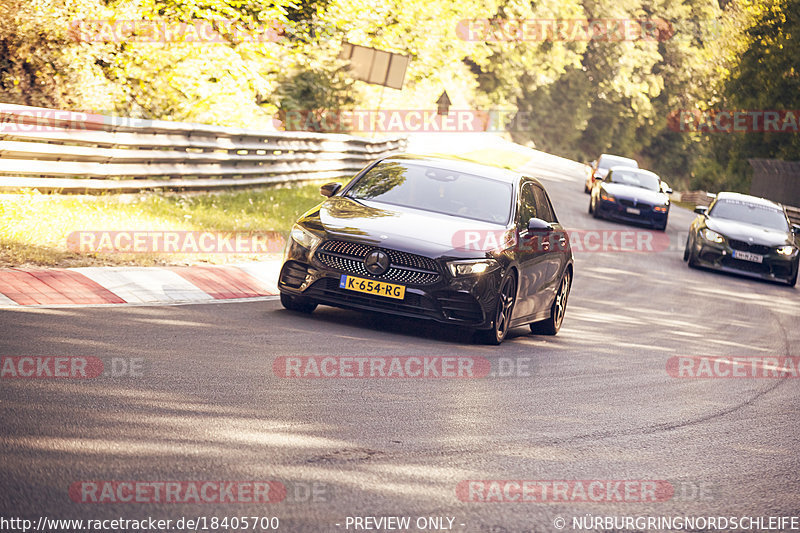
(471, 266)
(712, 236)
(786, 250)
(607, 197)
(303, 237)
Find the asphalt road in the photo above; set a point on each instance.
(594, 403)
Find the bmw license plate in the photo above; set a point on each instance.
(633, 211)
(747, 256)
(369, 286)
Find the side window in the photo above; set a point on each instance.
(527, 206)
(543, 206)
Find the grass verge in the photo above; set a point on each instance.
(34, 227)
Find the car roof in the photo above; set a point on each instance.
(634, 170)
(460, 165)
(618, 157)
(726, 195)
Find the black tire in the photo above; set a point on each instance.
(557, 311)
(792, 282)
(692, 258)
(298, 303)
(686, 249)
(506, 298)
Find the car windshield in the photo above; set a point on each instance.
(749, 213)
(636, 179)
(608, 162)
(434, 189)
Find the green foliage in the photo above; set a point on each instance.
(306, 96)
(576, 97)
(767, 77)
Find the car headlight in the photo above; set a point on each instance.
(471, 266)
(660, 208)
(712, 236)
(786, 250)
(303, 237)
(607, 197)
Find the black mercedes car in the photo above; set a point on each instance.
(440, 239)
(745, 235)
(631, 195)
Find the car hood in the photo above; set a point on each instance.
(628, 192)
(402, 228)
(740, 231)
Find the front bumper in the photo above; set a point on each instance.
(465, 300)
(617, 210)
(720, 256)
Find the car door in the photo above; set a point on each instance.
(555, 252)
(531, 254)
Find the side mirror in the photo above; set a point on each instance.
(669, 190)
(329, 189)
(665, 188)
(700, 209)
(796, 229)
(537, 224)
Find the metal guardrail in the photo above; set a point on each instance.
(81, 152)
(704, 198)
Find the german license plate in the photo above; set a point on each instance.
(633, 211)
(369, 286)
(747, 256)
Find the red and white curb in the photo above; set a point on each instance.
(136, 285)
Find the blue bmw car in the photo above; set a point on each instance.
(631, 195)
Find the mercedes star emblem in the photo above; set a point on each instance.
(376, 262)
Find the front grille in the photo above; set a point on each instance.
(747, 247)
(746, 266)
(406, 268)
(629, 203)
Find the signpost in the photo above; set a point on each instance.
(375, 66)
(443, 104)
